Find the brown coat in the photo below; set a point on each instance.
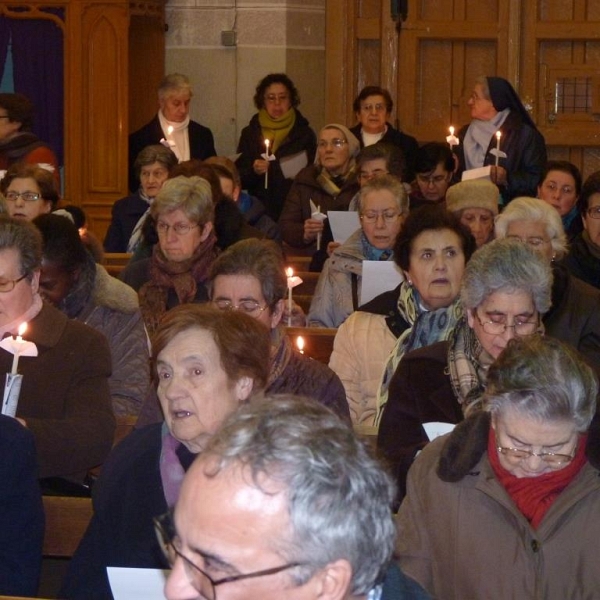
(65, 398)
(464, 539)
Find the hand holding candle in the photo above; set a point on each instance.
(168, 143)
(267, 171)
(451, 139)
(292, 282)
(496, 151)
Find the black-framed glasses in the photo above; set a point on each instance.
(336, 143)
(4, 117)
(432, 179)
(27, 196)
(521, 328)
(551, 458)
(594, 212)
(178, 228)
(201, 581)
(250, 307)
(8, 285)
(379, 107)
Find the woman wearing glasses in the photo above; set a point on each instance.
(583, 259)
(206, 363)
(574, 316)
(291, 141)
(177, 271)
(329, 184)
(382, 208)
(29, 191)
(508, 505)
(505, 292)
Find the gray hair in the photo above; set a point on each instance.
(542, 378)
(262, 259)
(155, 153)
(26, 239)
(192, 195)
(507, 266)
(340, 497)
(174, 83)
(534, 209)
(385, 182)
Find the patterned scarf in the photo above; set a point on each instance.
(427, 327)
(468, 364)
(182, 277)
(276, 130)
(171, 469)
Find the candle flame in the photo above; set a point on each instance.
(498, 134)
(267, 144)
(169, 130)
(22, 328)
(300, 343)
(289, 272)
(451, 130)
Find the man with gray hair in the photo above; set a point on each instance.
(284, 502)
(186, 138)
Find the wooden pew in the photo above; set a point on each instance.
(308, 285)
(318, 341)
(115, 262)
(66, 521)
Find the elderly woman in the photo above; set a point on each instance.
(574, 317)
(18, 144)
(176, 273)
(495, 107)
(29, 191)
(206, 363)
(505, 292)
(291, 140)
(83, 290)
(64, 399)
(373, 110)
(508, 505)
(329, 184)
(152, 167)
(382, 208)
(434, 165)
(188, 139)
(560, 186)
(432, 250)
(475, 203)
(583, 259)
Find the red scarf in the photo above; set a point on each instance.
(535, 495)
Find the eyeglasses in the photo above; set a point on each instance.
(201, 581)
(433, 180)
(594, 212)
(4, 117)
(27, 196)
(551, 458)
(373, 107)
(365, 176)
(274, 98)
(389, 216)
(8, 285)
(249, 307)
(534, 242)
(521, 328)
(336, 143)
(178, 228)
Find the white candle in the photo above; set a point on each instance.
(290, 274)
(267, 171)
(319, 234)
(19, 341)
(300, 344)
(498, 136)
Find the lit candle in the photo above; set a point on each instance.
(290, 282)
(168, 143)
(267, 171)
(451, 139)
(20, 342)
(498, 136)
(300, 344)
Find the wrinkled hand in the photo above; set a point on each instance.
(298, 316)
(312, 227)
(498, 175)
(331, 247)
(260, 166)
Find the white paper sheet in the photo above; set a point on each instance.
(343, 224)
(479, 173)
(435, 429)
(293, 164)
(378, 276)
(137, 584)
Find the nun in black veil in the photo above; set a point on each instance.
(517, 167)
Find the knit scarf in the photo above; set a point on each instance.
(468, 364)
(276, 130)
(533, 496)
(332, 185)
(427, 327)
(180, 276)
(172, 470)
(478, 137)
(281, 354)
(568, 219)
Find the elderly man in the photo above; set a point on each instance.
(172, 123)
(284, 502)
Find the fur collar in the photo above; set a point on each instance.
(112, 293)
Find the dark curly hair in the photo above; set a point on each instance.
(270, 79)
